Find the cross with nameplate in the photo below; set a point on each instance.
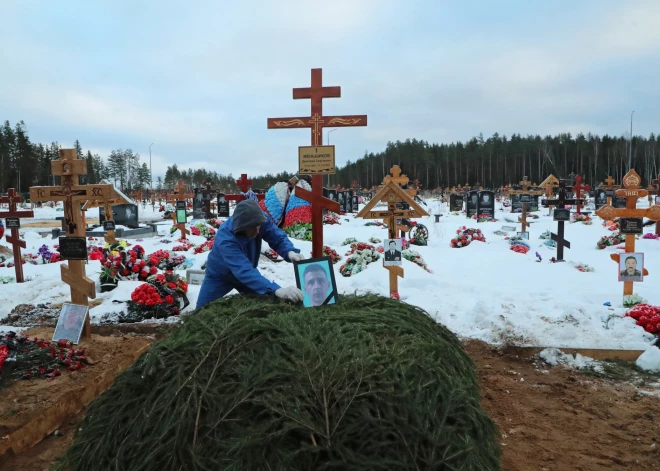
(562, 214)
(72, 194)
(179, 195)
(12, 218)
(316, 122)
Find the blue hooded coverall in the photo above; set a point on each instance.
(233, 260)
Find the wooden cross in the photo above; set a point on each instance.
(316, 122)
(391, 194)
(631, 192)
(656, 186)
(610, 186)
(524, 190)
(115, 197)
(14, 239)
(69, 167)
(524, 185)
(400, 180)
(179, 195)
(522, 219)
(578, 188)
(244, 184)
(560, 203)
(548, 185)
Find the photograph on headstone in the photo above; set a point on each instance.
(316, 279)
(332, 195)
(631, 267)
(70, 322)
(349, 201)
(223, 206)
(516, 204)
(486, 204)
(600, 199)
(342, 201)
(472, 203)
(392, 252)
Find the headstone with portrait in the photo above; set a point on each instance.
(455, 202)
(486, 204)
(471, 203)
(348, 197)
(223, 206)
(600, 199)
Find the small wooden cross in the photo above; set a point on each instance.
(14, 239)
(632, 192)
(179, 195)
(524, 185)
(610, 186)
(560, 203)
(391, 194)
(578, 188)
(69, 167)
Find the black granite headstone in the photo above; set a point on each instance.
(486, 204)
(471, 203)
(455, 202)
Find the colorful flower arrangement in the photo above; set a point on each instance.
(119, 264)
(275, 201)
(201, 229)
(332, 253)
(298, 211)
(38, 358)
(583, 267)
(184, 246)
(395, 295)
(416, 258)
(163, 295)
(612, 225)
(349, 241)
(214, 223)
(466, 236)
(375, 240)
(164, 260)
(633, 300)
(647, 317)
(520, 248)
(331, 218)
(583, 218)
(205, 247)
(484, 218)
(650, 235)
(359, 257)
(47, 256)
(299, 231)
(608, 241)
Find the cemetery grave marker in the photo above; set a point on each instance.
(402, 226)
(549, 185)
(471, 203)
(245, 185)
(69, 167)
(609, 188)
(656, 186)
(578, 189)
(223, 205)
(631, 192)
(486, 204)
(525, 197)
(561, 215)
(455, 202)
(206, 193)
(391, 194)
(176, 197)
(316, 122)
(115, 197)
(12, 218)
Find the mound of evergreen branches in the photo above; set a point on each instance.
(253, 383)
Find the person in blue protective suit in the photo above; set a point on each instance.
(233, 260)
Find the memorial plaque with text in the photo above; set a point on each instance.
(73, 248)
(632, 225)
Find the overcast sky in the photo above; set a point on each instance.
(198, 79)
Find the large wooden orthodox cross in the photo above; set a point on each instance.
(14, 239)
(560, 204)
(392, 194)
(525, 190)
(549, 184)
(656, 186)
(316, 122)
(69, 167)
(179, 195)
(245, 185)
(632, 193)
(401, 180)
(578, 188)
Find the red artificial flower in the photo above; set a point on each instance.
(169, 299)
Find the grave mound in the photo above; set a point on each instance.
(250, 383)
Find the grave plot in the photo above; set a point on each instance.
(32, 409)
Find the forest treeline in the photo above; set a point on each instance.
(492, 162)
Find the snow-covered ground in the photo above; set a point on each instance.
(483, 291)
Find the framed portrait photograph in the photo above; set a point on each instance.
(316, 279)
(631, 267)
(71, 322)
(523, 235)
(392, 252)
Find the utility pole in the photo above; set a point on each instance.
(631, 137)
(151, 176)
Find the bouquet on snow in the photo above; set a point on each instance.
(163, 295)
(465, 236)
(647, 317)
(205, 247)
(332, 253)
(201, 229)
(120, 264)
(583, 218)
(416, 258)
(608, 241)
(331, 218)
(214, 223)
(359, 257)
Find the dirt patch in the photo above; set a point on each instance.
(30, 410)
(561, 419)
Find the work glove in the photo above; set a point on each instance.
(295, 257)
(290, 293)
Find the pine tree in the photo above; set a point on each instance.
(91, 175)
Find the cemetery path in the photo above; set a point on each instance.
(562, 419)
(555, 421)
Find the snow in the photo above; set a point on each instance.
(650, 360)
(555, 357)
(483, 291)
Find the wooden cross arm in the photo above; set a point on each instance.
(15, 240)
(617, 257)
(322, 200)
(23, 213)
(608, 213)
(305, 122)
(83, 284)
(397, 270)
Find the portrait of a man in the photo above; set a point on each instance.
(392, 252)
(221, 198)
(473, 199)
(485, 199)
(315, 278)
(631, 267)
